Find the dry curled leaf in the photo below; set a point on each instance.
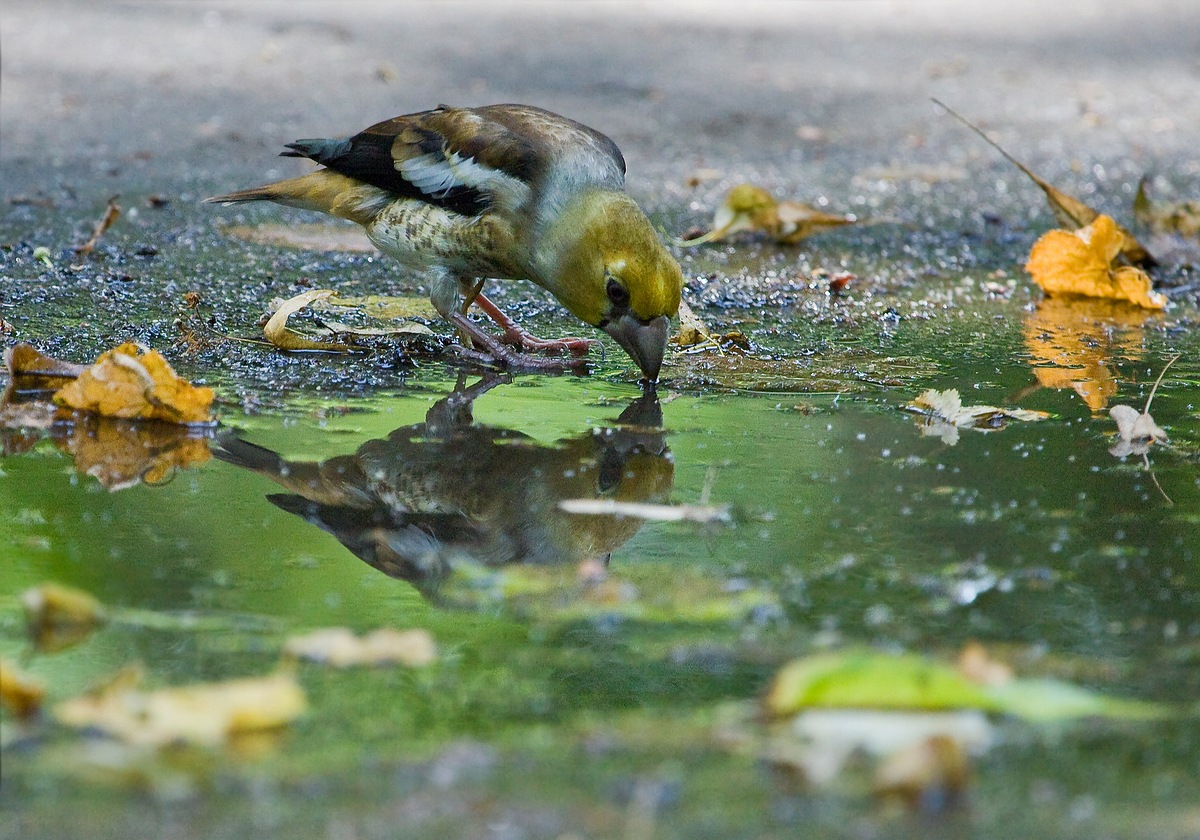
(204, 714)
(1179, 217)
(285, 338)
(31, 370)
(308, 237)
(134, 383)
(1137, 431)
(943, 414)
(930, 776)
(111, 213)
(57, 617)
(1070, 211)
(339, 647)
(644, 510)
(1081, 263)
(20, 694)
(751, 208)
(692, 331)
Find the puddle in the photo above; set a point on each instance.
(593, 670)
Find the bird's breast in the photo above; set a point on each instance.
(424, 236)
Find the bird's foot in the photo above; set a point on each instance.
(496, 351)
(517, 336)
(523, 340)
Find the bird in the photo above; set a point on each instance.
(504, 192)
(449, 491)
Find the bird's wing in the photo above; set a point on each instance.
(471, 159)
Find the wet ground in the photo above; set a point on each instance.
(568, 700)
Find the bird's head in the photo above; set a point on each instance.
(605, 263)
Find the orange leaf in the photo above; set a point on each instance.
(133, 383)
(1081, 262)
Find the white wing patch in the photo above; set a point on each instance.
(437, 174)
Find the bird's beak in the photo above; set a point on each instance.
(645, 341)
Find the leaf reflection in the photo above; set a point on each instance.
(447, 491)
(1072, 341)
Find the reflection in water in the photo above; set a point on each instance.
(117, 453)
(1072, 340)
(448, 490)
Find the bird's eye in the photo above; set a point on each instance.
(618, 294)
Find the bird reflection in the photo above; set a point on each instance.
(448, 490)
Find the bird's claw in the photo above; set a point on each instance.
(550, 346)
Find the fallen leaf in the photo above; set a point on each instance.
(943, 414)
(305, 237)
(338, 328)
(131, 382)
(1080, 262)
(645, 510)
(111, 213)
(930, 776)
(862, 679)
(20, 694)
(692, 331)
(751, 208)
(285, 338)
(58, 617)
(1137, 431)
(868, 680)
(31, 370)
(339, 647)
(977, 665)
(383, 307)
(1179, 217)
(203, 714)
(1070, 212)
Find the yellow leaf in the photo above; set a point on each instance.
(1070, 211)
(692, 330)
(133, 383)
(279, 334)
(1081, 263)
(339, 647)
(750, 207)
(58, 617)
(203, 714)
(20, 694)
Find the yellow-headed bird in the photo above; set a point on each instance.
(503, 192)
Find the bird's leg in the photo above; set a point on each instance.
(492, 350)
(517, 336)
(468, 298)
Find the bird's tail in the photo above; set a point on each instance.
(325, 191)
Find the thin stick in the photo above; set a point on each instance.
(1146, 410)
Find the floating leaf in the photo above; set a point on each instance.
(57, 617)
(751, 208)
(645, 510)
(868, 680)
(285, 338)
(1081, 263)
(1045, 700)
(205, 714)
(31, 370)
(1137, 431)
(339, 647)
(20, 694)
(132, 382)
(1070, 211)
(872, 681)
(1179, 217)
(943, 414)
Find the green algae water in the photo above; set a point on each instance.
(585, 662)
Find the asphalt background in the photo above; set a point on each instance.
(813, 99)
